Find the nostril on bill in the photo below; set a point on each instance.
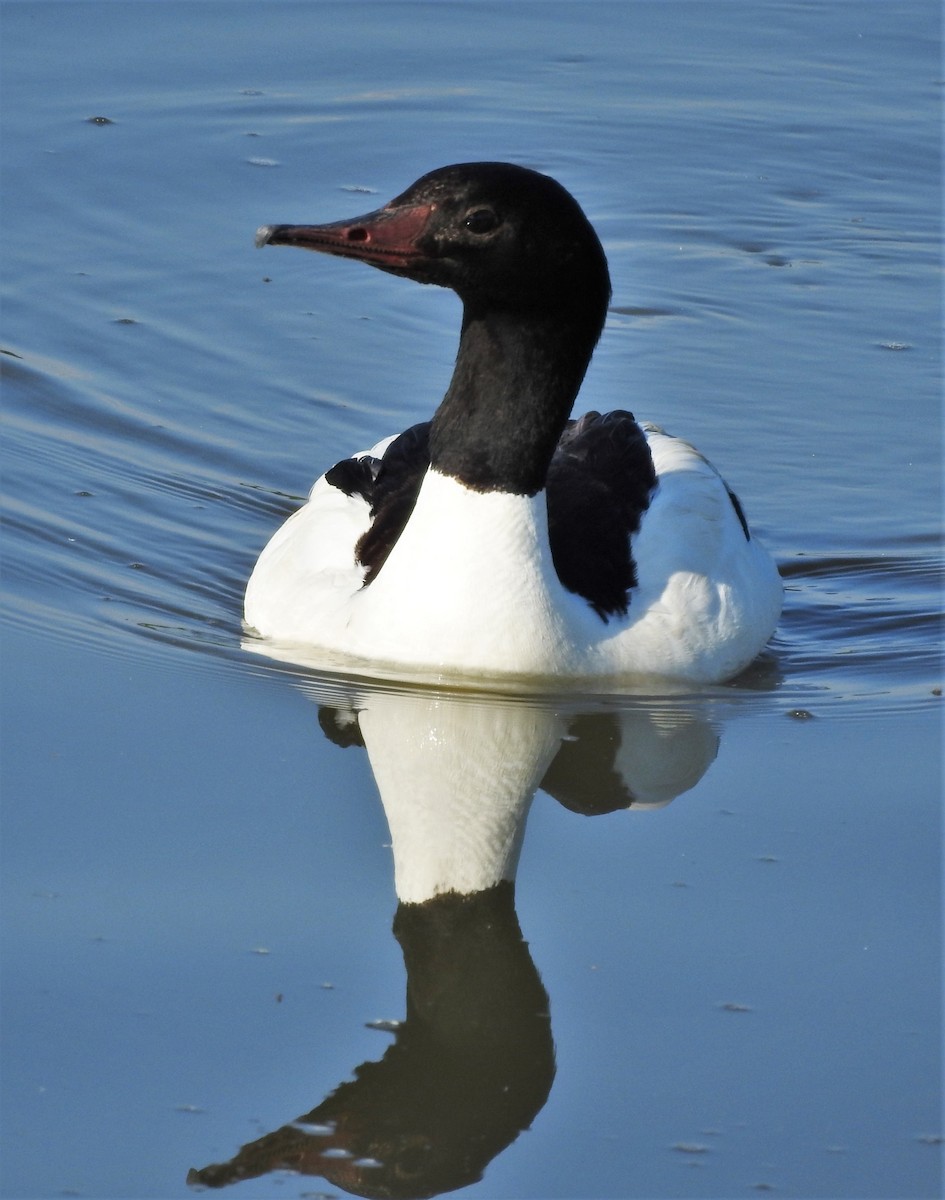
(357, 234)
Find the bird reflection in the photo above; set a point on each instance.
(469, 1067)
(473, 1062)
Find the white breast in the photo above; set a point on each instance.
(470, 585)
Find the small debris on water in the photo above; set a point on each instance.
(314, 1128)
(383, 1026)
(731, 1006)
(691, 1148)
(260, 950)
(801, 714)
(189, 1108)
(99, 121)
(895, 345)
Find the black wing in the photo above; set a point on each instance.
(392, 494)
(599, 486)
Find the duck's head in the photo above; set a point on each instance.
(499, 235)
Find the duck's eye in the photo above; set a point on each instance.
(481, 220)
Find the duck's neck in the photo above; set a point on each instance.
(516, 379)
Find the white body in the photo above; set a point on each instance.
(470, 587)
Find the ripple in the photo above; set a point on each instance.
(137, 536)
(865, 626)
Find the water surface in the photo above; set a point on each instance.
(742, 977)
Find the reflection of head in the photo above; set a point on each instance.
(469, 1069)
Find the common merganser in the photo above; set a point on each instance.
(502, 538)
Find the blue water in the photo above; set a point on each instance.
(744, 984)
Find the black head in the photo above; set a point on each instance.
(501, 236)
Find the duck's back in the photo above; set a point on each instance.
(708, 595)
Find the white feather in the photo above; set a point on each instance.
(470, 587)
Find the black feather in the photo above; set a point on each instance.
(599, 485)
(355, 476)
(739, 512)
(393, 496)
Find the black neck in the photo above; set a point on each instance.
(516, 378)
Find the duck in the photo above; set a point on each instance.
(503, 538)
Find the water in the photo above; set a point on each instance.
(744, 982)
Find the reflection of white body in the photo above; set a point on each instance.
(470, 586)
(663, 754)
(457, 774)
(456, 779)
